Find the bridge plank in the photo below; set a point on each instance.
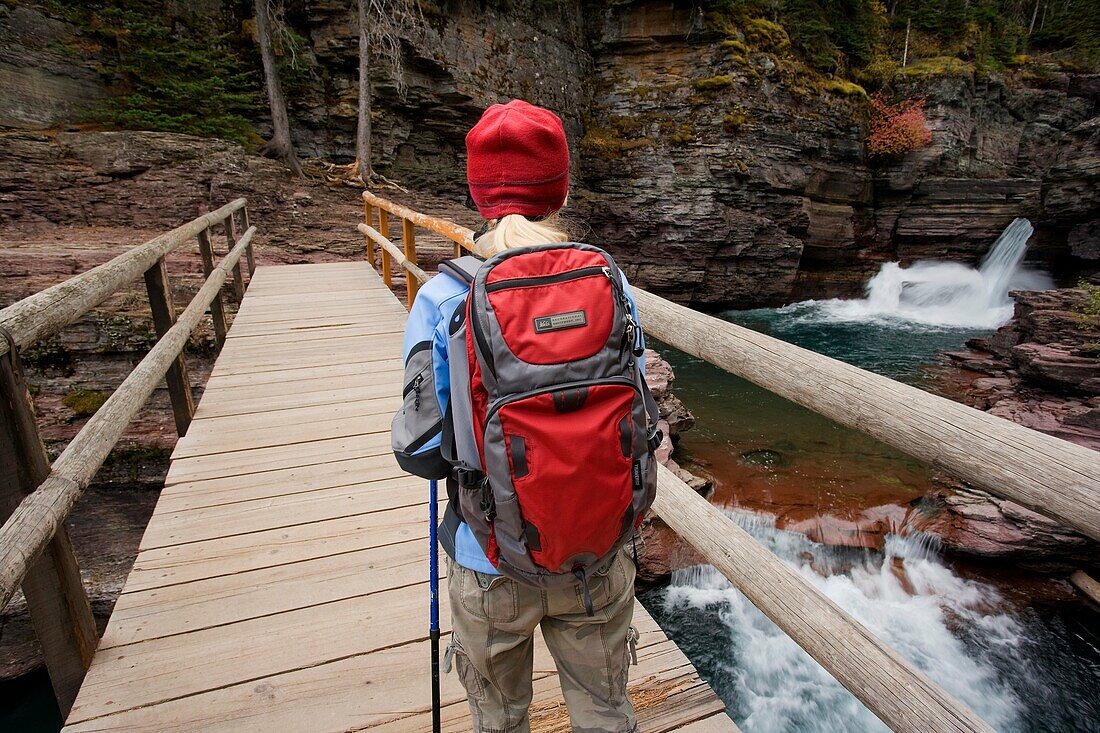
(271, 458)
(281, 583)
(218, 556)
(295, 480)
(173, 528)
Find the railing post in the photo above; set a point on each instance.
(384, 229)
(458, 250)
(56, 598)
(164, 317)
(217, 310)
(408, 238)
(231, 242)
(368, 219)
(249, 253)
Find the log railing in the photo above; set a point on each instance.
(1048, 475)
(35, 497)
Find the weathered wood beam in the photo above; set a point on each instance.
(231, 242)
(44, 314)
(249, 253)
(902, 696)
(217, 308)
(387, 265)
(56, 598)
(448, 229)
(1048, 475)
(164, 317)
(1085, 583)
(388, 246)
(36, 520)
(368, 219)
(408, 240)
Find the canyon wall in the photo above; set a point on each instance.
(721, 170)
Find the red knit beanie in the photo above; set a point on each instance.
(517, 161)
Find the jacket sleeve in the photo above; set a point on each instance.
(417, 426)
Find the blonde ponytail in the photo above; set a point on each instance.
(515, 230)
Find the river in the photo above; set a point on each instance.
(1014, 646)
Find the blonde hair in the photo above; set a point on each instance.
(516, 230)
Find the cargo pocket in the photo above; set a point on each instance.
(488, 597)
(467, 674)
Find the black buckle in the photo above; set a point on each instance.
(655, 439)
(467, 478)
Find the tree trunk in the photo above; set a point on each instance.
(362, 133)
(905, 53)
(279, 145)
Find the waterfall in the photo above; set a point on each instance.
(942, 294)
(905, 596)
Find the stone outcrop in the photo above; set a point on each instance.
(726, 174)
(1041, 370)
(48, 72)
(973, 523)
(718, 168)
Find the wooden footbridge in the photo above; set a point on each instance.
(281, 584)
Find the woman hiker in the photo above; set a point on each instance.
(518, 176)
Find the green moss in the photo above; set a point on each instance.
(713, 84)
(843, 88)
(1089, 312)
(936, 66)
(767, 35)
(735, 120)
(84, 402)
(678, 134)
(47, 355)
(130, 460)
(733, 46)
(608, 144)
(720, 22)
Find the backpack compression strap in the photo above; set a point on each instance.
(462, 268)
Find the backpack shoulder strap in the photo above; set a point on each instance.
(462, 268)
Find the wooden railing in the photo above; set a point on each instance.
(35, 497)
(1051, 476)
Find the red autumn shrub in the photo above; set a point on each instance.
(897, 129)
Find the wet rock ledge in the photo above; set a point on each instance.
(1041, 370)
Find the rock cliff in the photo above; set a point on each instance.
(719, 168)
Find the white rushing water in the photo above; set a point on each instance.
(941, 294)
(905, 596)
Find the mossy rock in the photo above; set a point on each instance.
(937, 66)
(767, 35)
(734, 47)
(721, 22)
(713, 83)
(843, 88)
(84, 402)
(49, 354)
(607, 144)
(735, 120)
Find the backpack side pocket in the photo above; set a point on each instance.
(416, 427)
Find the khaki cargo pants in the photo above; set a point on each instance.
(494, 619)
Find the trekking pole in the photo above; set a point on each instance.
(433, 585)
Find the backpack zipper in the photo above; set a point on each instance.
(503, 401)
(525, 282)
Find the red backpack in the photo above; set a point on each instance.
(552, 427)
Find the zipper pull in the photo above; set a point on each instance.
(416, 388)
